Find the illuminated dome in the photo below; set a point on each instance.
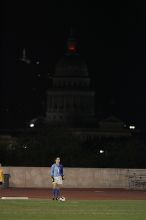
(70, 99)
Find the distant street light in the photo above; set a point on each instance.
(101, 151)
(131, 127)
(31, 125)
(36, 122)
(25, 147)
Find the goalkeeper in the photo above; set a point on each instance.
(57, 178)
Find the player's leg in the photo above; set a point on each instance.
(54, 190)
(56, 187)
(59, 184)
(57, 191)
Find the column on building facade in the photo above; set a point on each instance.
(56, 103)
(64, 101)
(49, 103)
(59, 103)
(71, 99)
(79, 102)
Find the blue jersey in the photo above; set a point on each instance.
(56, 170)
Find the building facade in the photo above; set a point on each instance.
(71, 99)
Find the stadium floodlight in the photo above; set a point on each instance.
(101, 151)
(131, 127)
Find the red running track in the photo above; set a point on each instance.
(76, 194)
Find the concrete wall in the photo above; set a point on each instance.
(74, 177)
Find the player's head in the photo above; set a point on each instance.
(57, 160)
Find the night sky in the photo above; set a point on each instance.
(111, 39)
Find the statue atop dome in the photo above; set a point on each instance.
(71, 44)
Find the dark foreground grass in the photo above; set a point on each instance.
(72, 210)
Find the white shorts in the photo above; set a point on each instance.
(58, 180)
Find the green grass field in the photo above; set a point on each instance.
(72, 210)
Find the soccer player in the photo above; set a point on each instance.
(57, 178)
(1, 176)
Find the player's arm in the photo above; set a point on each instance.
(52, 173)
(52, 179)
(61, 172)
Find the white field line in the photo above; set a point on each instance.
(23, 198)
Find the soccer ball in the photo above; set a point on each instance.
(62, 199)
